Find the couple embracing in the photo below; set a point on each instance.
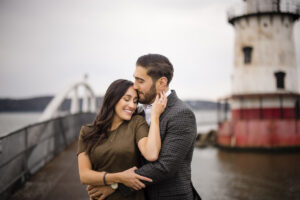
(133, 152)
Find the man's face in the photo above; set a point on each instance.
(144, 85)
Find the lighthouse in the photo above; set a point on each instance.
(265, 98)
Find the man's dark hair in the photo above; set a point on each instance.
(157, 66)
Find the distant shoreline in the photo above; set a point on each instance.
(38, 104)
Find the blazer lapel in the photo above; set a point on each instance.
(172, 98)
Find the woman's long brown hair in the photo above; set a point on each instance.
(104, 119)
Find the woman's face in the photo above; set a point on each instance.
(127, 104)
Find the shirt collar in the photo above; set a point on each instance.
(168, 92)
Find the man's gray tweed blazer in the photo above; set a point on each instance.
(171, 173)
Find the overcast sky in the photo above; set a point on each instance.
(47, 44)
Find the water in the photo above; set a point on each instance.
(15, 120)
(219, 174)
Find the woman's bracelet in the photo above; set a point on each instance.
(104, 180)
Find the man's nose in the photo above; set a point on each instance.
(135, 86)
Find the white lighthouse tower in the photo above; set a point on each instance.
(265, 95)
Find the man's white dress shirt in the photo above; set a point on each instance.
(147, 109)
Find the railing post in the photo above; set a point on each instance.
(62, 132)
(26, 156)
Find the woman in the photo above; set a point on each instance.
(111, 145)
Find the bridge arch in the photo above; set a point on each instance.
(89, 103)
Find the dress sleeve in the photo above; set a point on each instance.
(141, 129)
(81, 146)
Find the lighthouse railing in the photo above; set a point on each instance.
(244, 9)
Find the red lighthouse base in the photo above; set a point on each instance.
(259, 133)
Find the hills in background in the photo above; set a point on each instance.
(38, 104)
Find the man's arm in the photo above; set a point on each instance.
(180, 136)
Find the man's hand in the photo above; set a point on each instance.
(99, 192)
(159, 105)
(133, 180)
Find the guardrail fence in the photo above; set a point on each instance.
(25, 151)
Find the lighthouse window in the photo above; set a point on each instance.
(247, 54)
(279, 79)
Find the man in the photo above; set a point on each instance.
(171, 173)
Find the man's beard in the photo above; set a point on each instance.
(149, 96)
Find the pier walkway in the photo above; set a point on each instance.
(215, 174)
(57, 180)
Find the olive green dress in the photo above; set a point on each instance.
(119, 151)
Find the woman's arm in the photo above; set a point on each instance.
(150, 146)
(86, 174)
(92, 177)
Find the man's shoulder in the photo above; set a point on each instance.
(179, 107)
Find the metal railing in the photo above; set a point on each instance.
(26, 150)
(244, 8)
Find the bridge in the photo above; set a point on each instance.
(41, 158)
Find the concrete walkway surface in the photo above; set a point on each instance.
(57, 180)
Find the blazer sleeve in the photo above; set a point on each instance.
(179, 139)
